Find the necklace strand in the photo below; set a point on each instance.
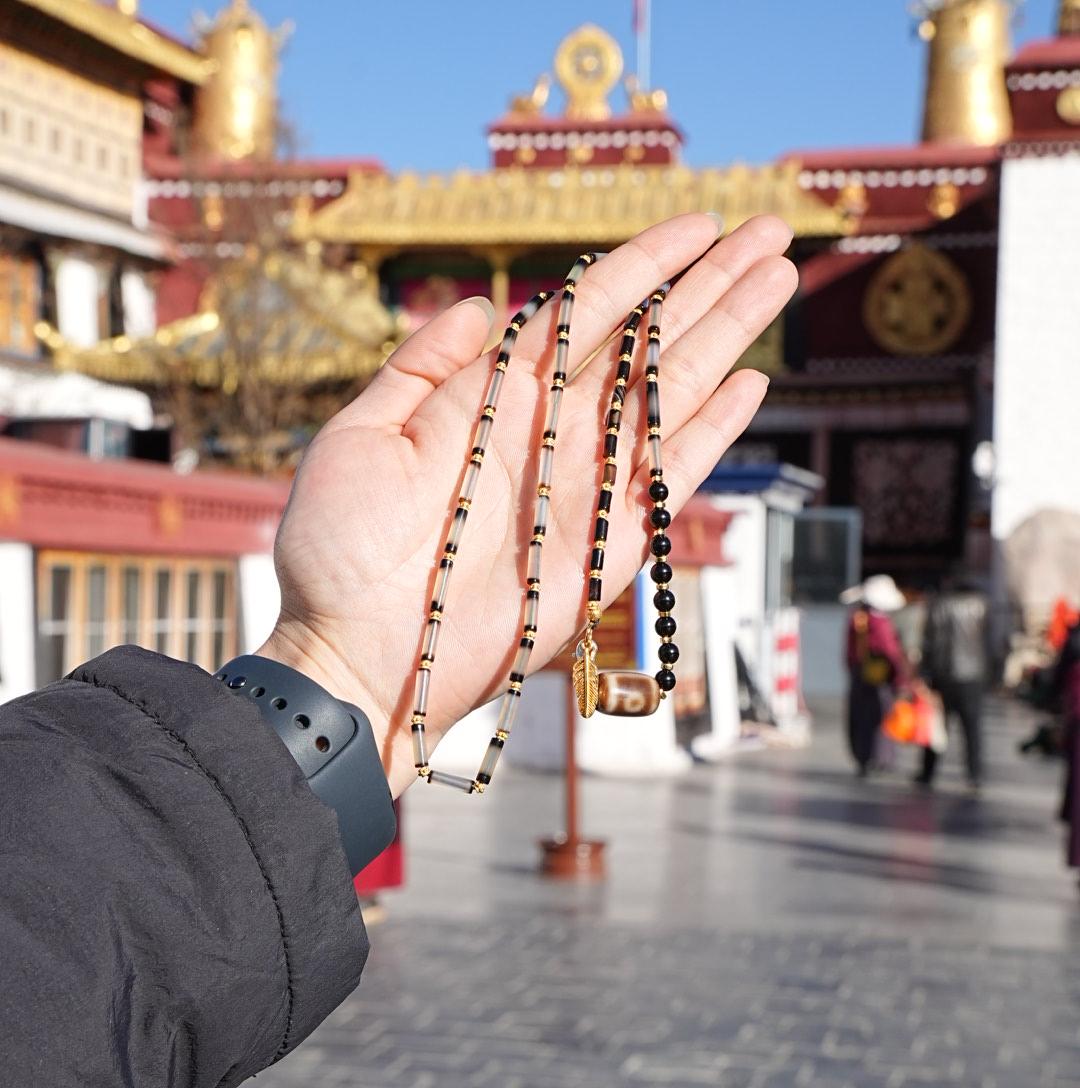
(660, 518)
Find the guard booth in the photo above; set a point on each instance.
(755, 595)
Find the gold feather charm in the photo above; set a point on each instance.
(585, 676)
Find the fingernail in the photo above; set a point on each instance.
(718, 219)
(481, 303)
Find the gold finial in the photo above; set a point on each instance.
(588, 64)
(535, 101)
(966, 99)
(1069, 17)
(654, 101)
(236, 109)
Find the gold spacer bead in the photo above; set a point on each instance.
(538, 538)
(620, 381)
(612, 430)
(502, 734)
(478, 787)
(464, 504)
(417, 719)
(611, 460)
(625, 357)
(515, 685)
(605, 486)
(424, 772)
(502, 366)
(654, 432)
(425, 665)
(599, 545)
(435, 614)
(563, 337)
(596, 573)
(543, 491)
(602, 514)
(516, 326)
(489, 411)
(549, 442)
(569, 288)
(558, 383)
(593, 611)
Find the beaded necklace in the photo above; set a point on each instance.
(619, 693)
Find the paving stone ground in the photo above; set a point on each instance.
(767, 923)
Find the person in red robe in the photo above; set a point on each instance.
(876, 663)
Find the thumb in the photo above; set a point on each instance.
(447, 343)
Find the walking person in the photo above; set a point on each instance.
(1067, 688)
(955, 663)
(876, 663)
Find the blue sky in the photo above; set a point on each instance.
(413, 82)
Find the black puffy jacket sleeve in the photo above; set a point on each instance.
(175, 905)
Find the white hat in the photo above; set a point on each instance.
(879, 592)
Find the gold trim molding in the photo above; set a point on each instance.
(126, 35)
(570, 206)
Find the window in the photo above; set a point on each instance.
(87, 603)
(20, 294)
(54, 622)
(162, 621)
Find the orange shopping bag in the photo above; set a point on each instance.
(917, 717)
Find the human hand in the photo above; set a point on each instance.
(362, 534)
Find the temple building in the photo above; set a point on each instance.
(887, 369)
(182, 270)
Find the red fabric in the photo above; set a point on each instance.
(388, 869)
(881, 641)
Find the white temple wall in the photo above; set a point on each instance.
(1037, 368)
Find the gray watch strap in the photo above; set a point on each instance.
(333, 745)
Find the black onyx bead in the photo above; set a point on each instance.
(658, 491)
(663, 600)
(660, 518)
(660, 545)
(661, 572)
(666, 679)
(665, 626)
(668, 653)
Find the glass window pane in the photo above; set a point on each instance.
(162, 610)
(219, 595)
(59, 593)
(220, 619)
(191, 649)
(95, 611)
(130, 632)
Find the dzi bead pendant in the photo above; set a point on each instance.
(627, 694)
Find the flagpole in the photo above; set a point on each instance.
(643, 22)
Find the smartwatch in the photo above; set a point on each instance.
(333, 745)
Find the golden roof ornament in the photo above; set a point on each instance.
(588, 64)
(236, 109)
(535, 101)
(966, 99)
(1069, 17)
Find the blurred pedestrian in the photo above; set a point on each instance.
(955, 663)
(1067, 683)
(876, 663)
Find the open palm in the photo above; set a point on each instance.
(368, 514)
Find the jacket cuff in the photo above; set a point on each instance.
(292, 836)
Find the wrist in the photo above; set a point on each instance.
(294, 644)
